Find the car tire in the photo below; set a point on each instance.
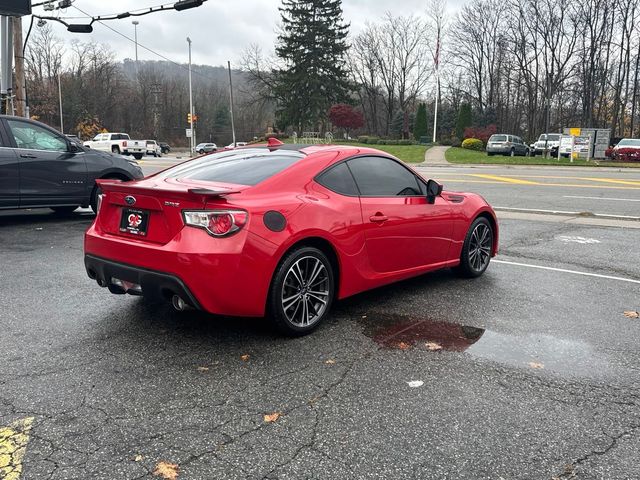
(64, 210)
(477, 248)
(293, 310)
(489, 154)
(138, 156)
(115, 150)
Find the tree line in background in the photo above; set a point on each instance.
(148, 99)
(516, 66)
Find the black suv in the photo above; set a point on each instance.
(40, 167)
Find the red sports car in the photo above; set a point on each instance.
(282, 230)
(627, 150)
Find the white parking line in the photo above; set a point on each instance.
(563, 270)
(564, 212)
(604, 198)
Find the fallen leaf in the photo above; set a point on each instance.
(331, 361)
(433, 346)
(415, 383)
(245, 357)
(272, 417)
(536, 365)
(632, 314)
(403, 346)
(203, 369)
(166, 470)
(138, 458)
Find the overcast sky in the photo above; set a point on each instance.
(220, 29)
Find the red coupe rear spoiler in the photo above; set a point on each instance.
(114, 185)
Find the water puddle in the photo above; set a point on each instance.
(534, 351)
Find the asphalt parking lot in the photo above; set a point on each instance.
(530, 372)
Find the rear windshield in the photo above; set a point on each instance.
(629, 142)
(242, 167)
(498, 138)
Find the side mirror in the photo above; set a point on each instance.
(73, 147)
(434, 189)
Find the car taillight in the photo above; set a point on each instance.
(124, 144)
(218, 223)
(99, 202)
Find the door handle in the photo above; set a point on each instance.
(27, 155)
(378, 218)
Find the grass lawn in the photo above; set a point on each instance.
(461, 155)
(406, 153)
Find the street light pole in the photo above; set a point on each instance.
(135, 37)
(193, 133)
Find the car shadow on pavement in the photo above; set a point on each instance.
(43, 215)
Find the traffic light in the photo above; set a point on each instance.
(189, 118)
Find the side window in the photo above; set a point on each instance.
(383, 177)
(339, 180)
(34, 137)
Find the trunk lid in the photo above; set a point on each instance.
(150, 210)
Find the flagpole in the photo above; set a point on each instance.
(435, 112)
(436, 61)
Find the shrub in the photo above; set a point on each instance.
(405, 142)
(481, 133)
(363, 138)
(392, 142)
(473, 144)
(446, 142)
(372, 140)
(455, 142)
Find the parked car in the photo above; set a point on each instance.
(282, 230)
(40, 167)
(153, 148)
(206, 148)
(118, 143)
(546, 143)
(165, 147)
(237, 144)
(503, 144)
(627, 150)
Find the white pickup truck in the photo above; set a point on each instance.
(118, 143)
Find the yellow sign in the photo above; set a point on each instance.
(575, 132)
(13, 443)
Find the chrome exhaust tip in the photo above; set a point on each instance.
(179, 304)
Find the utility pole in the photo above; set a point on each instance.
(233, 125)
(6, 61)
(18, 48)
(60, 99)
(193, 132)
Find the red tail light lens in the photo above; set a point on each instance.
(218, 223)
(124, 144)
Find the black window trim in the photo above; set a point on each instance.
(360, 155)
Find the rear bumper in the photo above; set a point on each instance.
(215, 275)
(154, 284)
(499, 150)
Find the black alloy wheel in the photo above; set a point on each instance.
(302, 291)
(477, 249)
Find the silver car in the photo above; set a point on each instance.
(503, 144)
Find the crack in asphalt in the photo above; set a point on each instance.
(571, 468)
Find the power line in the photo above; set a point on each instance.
(139, 44)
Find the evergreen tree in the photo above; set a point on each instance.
(464, 119)
(420, 129)
(312, 46)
